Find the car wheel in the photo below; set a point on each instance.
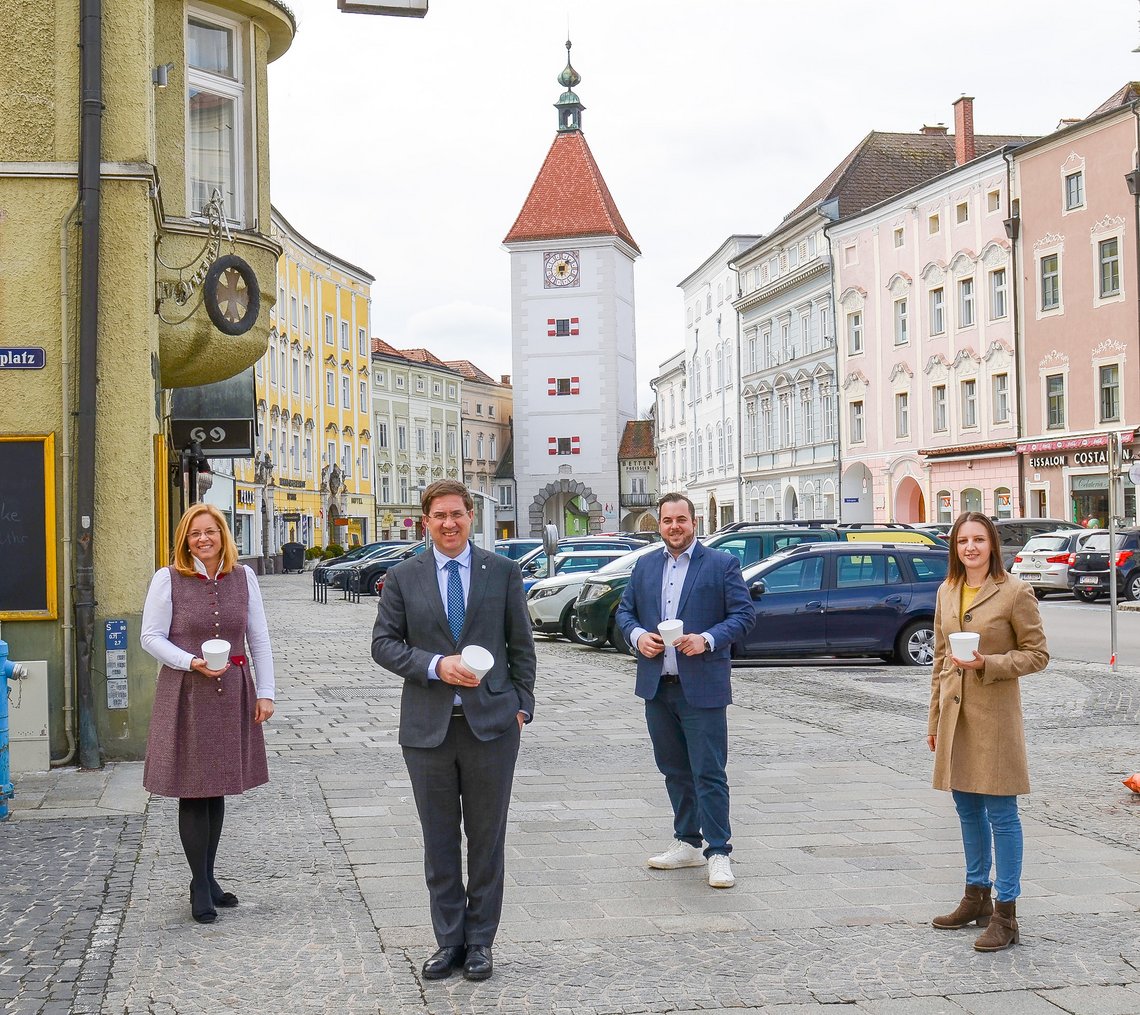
(1086, 597)
(580, 637)
(568, 617)
(617, 639)
(1132, 587)
(915, 646)
(377, 585)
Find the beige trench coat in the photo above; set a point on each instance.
(976, 714)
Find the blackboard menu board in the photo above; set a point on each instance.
(27, 528)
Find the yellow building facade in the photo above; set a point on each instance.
(184, 118)
(311, 480)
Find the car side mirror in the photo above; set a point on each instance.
(758, 588)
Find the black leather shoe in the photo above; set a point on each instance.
(479, 964)
(440, 965)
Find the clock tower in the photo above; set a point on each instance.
(573, 336)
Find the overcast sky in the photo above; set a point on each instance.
(408, 146)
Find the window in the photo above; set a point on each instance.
(330, 453)
(385, 490)
(361, 342)
(966, 303)
(993, 201)
(901, 333)
(399, 380)
(420, 385)
(272, 366)
(808, 416)
(296, 375)
(719, 366)
(404, 498)
(382, 434)
(306, 316)
(344, 335)
(857, 435)
(364, 463)
(899, 236)
(1108, 253)
(805, 574)
(421, 441)
(491, 448)
(478, 408)
(381, 378)
(293, 310)
(696, 377)
(295, 453)
(467, 444)
(346, 393)
(308, 380)
(937, 312)
(1074, 190)
(788, 437)
(1109, 393)
(862, 570)
(436, 440)
(1001, 398)
(308, 456)
(719, 446)
(436, 388)
(962, 213)
(401, 436)
(330, 338)
(1050, 281)
(363, 396)
(930, 568)
(564, 446)
(330, 388)
(451, 439)
(505, 497)
(969, 403)
(1055, 401)
(215, 88)
(708, 374)
(281, 354)
(938, 399)
(346, 460)
(902, 414)
(854, 334)
(997, 294)
(933, 224)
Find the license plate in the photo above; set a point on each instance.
(1090, 581)
(1031, 576)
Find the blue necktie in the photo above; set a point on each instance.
(456, 608)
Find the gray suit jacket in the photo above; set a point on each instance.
(411, 628)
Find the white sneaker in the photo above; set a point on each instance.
(679, 854)
(720, 871)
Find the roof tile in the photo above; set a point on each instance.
(637, 440)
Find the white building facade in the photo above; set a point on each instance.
(671, 417)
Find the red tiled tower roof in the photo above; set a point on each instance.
(637, 440)
(569, 198)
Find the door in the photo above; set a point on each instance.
(789, 614)
(866, 602)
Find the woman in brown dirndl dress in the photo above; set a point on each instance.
(205, 739)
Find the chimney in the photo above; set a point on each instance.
(934, 130)
(964, 150)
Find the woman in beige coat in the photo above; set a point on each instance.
(975, 728)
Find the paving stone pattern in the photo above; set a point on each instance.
(842, 853)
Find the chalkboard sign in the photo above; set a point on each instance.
(27, 528)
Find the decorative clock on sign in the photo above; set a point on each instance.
(561, 268)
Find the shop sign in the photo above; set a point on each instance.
(296, 484)
(944, 502)
(291, 516)
(1049, 462)
(1090, 482)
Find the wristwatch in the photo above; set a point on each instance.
(708, 644)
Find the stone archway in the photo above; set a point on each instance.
(555, 500)
(910, 505)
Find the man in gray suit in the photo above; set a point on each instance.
(460, 735)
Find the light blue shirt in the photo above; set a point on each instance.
(673, 576)
(441, 562)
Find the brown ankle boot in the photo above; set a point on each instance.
(975, 905)
(1002, 931)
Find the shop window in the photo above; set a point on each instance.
(945, 506)
(972, 500)
(1003, 502)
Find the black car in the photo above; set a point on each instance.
(839, 599)
(1089, 570)
(372, 572)
(357, 555)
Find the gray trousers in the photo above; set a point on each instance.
(464, 782)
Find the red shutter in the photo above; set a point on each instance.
(552, 388)
(574, 389)
(575, 448)
(573, 325)
(552, 448)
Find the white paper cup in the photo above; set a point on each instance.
(478, 660)
(216, 652)
(670, 630)
(963, 645)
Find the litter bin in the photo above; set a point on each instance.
(293, 557)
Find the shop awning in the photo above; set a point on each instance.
(1097, 440)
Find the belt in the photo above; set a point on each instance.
(670, 678)
(457, 712)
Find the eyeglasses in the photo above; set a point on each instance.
(205, 534)
(445, 516)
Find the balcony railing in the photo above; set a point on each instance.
(637, 500)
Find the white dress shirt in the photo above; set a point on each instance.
(673, 576)
(441, 562)
(157, 612)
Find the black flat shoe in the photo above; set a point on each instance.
(440, 965)
(202, 908)
(220, 898)
(479, 964)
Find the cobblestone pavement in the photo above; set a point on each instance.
(843, 853)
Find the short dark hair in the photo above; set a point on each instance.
(446, 488)
(957, 573)
(676, 498)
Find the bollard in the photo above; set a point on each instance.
(320, 588)
(8, 671)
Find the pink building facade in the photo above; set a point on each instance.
(926, 350)
(1076, 253)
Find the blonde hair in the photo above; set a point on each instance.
(184, 559)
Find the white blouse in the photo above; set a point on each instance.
(156, 629)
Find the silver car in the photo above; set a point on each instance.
(1044, 561)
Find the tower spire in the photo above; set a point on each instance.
(569, 106)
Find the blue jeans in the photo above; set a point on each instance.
(690, 746)
(991, 829)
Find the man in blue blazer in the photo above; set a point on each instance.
(687, 684)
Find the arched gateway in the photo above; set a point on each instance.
(570, 506)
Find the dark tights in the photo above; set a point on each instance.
(200, 822)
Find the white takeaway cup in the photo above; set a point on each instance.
(478, 660)
(670, 630)
(216, 652)
(963, 645)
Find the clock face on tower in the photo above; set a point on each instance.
(561, 268)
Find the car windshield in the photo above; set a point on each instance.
(1098, 542)
(1046, 544)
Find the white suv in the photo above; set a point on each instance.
(551, 600)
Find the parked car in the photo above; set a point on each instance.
(891, 533)
(597, 602)
(337, 575)
(1089, 570)
(551, 601)
(372, 572)
(940, 529)
(516, 548)
(576, 562)
(533, 565)
(1044, 561)
(835, 599)
(1014, 533)
(758, 542)
(356, 554)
